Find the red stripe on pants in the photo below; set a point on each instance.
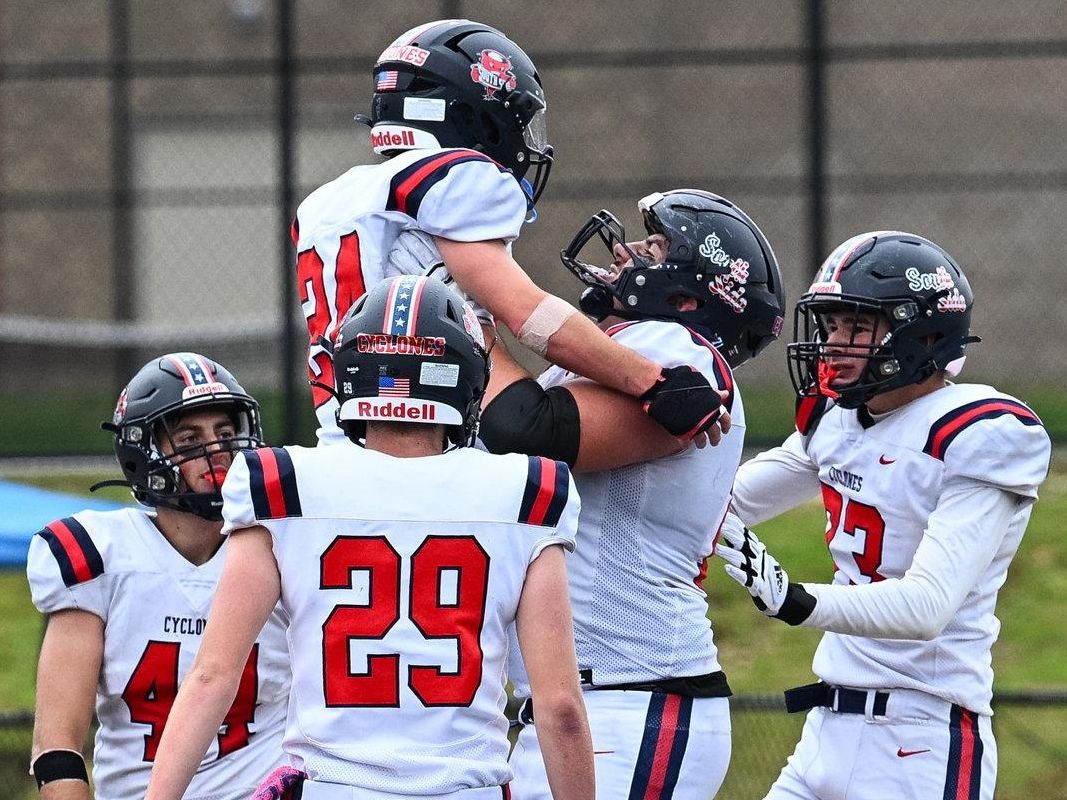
(963, 781)
(668, 729)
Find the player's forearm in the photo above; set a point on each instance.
(963, 536)
(582, 348)
(774, 482)
(567, 748)
(194, 721)
(66, 790)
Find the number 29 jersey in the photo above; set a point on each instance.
(154, 604)
(400, 577)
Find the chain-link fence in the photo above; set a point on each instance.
(1029, 729)
(151, 154)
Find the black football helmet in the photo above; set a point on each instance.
(160, 393)
(717, 256)
(918, 289)
(410, 350)
(457, 83)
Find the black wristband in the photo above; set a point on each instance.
(798, 605)
(58, 765)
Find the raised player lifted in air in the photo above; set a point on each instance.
(928, 487)
(459, 111)
(703, 288)
(128, 592)
(400, 574)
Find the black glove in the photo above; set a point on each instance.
(683, 402)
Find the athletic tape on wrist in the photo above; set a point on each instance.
(549, 316)
(59, 765)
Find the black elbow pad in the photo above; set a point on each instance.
(524, 418)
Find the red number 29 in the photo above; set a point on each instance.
(152, 687)
(850, 517)
(459, 617)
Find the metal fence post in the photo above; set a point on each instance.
(286, 192)
(816, 74)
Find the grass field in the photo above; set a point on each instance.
(762, 655)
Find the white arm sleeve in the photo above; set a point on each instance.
(774, 482)
(962, 537)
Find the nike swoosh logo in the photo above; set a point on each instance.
(905, 753)
(884, 460)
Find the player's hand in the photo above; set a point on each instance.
(684, 403)
(750, 564)
(414, 253)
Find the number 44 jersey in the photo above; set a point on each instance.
(154, 604)
(400, 577)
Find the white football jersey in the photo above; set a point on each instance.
(345, 230)
(637, 574)
(400, 577)
(881, 480)
(154, 604)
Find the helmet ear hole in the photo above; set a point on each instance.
(464, 114)
(491, 130)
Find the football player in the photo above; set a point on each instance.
(703, 288)
(928, 487)
(400, 576)
(459, 112)
(127, 595)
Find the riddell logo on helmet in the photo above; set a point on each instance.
(384, 344)
(392, 139)
(204, 388)
(398, 410)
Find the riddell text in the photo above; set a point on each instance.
(400, 410)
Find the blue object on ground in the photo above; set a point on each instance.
(24, 510)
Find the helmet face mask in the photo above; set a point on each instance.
(457, 83)
(715, 256)
(917, 292)
(148, 414)
(411, 350)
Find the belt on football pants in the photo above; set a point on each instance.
(843, 701)
(711, 685)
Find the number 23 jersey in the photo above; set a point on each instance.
(154, 604)
(399, 577)
(882, 482)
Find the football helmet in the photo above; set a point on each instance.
(716, 255)
(161, 392)
(457, 83)
(914, 285)
(410, 350)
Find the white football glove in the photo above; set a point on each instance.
(414, 253)
(749, 563)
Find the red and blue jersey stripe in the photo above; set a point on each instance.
(952, 424)
(410, 185)
(659, 760)
(545, 497)
(272, 483)
(79, 560)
